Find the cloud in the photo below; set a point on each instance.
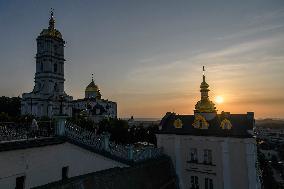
(240, 49)
(252, 31)
(261, 100)
(267, 22)
(267, 17)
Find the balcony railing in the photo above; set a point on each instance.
(103, 144)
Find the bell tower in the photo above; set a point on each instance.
(205, 106)
(48, 96)
(49, 76)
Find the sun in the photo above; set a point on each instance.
(219, 99)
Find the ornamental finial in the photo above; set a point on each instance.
(203, 74)
(51, 20)
(92, 77)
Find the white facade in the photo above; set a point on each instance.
(95, 109)
(48, 97)
(231, 166)
(93, 106)
(42, 165)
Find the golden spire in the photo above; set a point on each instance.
(204, 105)
(51, 20)
(203, 74)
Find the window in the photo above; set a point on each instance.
(194, 182)
(193, 155)
(208, 183)
(41, 66)
(65, 172)
(20, 182)
(200, 123)
(207, 156)
(55, 68)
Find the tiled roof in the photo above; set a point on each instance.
(241, 123)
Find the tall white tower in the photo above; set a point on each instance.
(48, 97)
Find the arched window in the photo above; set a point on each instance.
(55, 68)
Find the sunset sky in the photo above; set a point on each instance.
(148, 55)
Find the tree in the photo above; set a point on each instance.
(4, 117)
(267, 173)
(11, 106)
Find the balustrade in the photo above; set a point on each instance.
(102, 143)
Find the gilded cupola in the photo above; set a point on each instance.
(51, 31)
(204, 105)
(92, 90)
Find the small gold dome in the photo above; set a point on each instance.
(92, 87)
(51, 33)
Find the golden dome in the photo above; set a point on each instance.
(92, 87)
(92, 90)
(51, 31)
(205, 106)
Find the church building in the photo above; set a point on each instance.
(48, 97)
(210, 150)
(93, 106)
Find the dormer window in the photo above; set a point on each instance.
(178, 123)
(226, 124)
(200, 122)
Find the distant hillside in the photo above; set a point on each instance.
(270, 123)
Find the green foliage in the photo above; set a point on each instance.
(4, 117)
(122, 133)
(83, 122)
(267, 173)
(10, 106)
(119, 130)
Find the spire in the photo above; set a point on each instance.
(204, 105)
(203, 74)
(204, 86)
(51, 31)
(51, 20)
(92, 77)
